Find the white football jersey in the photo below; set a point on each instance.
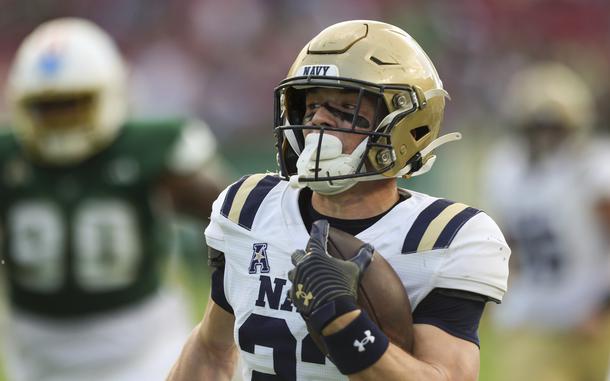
(431, 243)
(548, 212)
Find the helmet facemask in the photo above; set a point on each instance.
(62, 123)
(373, 158)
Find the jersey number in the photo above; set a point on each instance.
(103, 235)
(271, 332)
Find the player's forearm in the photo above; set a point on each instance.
(395, 364)
(200, 362)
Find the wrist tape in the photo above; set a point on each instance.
(357, 346)
(322, 316)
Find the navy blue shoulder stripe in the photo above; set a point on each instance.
(226, 205)
(245, 197)
(421, 223)
(454, 225)
(436, 226)
(255, 199)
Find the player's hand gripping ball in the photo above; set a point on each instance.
(339, 273)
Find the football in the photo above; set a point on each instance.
(380, 293)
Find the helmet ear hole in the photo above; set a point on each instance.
(420, 132)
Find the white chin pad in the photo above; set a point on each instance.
(332, 163)
(331, 147)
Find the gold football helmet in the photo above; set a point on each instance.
(67, 91)
(372, 59)
(549, 93)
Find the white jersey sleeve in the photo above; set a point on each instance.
(214, 235)
(236, 207)
(477, 260)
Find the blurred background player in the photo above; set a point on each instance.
(548, 185)
(85, 200)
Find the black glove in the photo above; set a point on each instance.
(323, 287)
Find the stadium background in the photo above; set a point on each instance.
(220, 60)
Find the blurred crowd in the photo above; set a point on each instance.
(221, 59)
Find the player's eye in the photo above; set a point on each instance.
(310, 111)
(313, 106)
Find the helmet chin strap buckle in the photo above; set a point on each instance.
(418, 159)
(424, 167)
(415, 162)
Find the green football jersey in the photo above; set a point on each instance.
(85, 238)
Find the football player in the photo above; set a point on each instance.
(549, 185)
(361, 106)
(85, 195)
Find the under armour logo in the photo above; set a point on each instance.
(368, 338)
(301, 294)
